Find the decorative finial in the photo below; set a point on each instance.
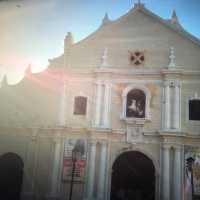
(104, 58)
(28, 70)
(106, 19)
(139, 4)
(174, 18)
(4, 81)
(69, 40)
(172, 58)
(196, 95)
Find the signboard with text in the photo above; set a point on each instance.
(80, 164)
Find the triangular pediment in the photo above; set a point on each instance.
(137, 17)
(139, 29)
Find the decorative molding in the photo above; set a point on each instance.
(190, 82)
(135, 81)
(104, 58)
(195, 97)
(98, 82)
(192, 72)
(128, 71)
(172, 57)
(172, 83)
(176, 71)
(137, 58)
(34, 135)
(134, 133)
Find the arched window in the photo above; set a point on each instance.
(80, 105)
(135, 104)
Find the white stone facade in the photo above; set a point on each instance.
(39, 111)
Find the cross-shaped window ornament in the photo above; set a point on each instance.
(137, 57)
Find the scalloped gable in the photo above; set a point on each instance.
(31, 102)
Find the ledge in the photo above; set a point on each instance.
(135, 121)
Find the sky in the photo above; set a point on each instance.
(33, 31)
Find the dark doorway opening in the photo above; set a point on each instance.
(133, 177)
(11, 176)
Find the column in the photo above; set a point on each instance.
(28, 191)
(54, 190)
(123, 106)
(98, 104)
(102, 173)
(167, 106)
(166, 173)
(177, 182)
(62, 109)
(107, 102)
(91, 170)
(177, 106)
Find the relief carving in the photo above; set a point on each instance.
(134, 133)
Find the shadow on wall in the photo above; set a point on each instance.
(11, 176)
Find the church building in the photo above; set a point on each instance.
(115, 117)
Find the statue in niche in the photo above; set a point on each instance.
(135, 105)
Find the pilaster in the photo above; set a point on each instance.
(167, 105)
(102, 173)
(171, 106)
(55, 183)
(91, 171)
(166, 172)
(177, 179)
(107, 104)
(62, 107)
(30, 168)
(98, 109)
(177, 105)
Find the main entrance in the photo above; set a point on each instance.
(11, 174)
(133, 177)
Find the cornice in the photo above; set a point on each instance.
(77, 74)
(127, 71)
(176, 71)
(168, 133)
(191, 72)
(145, 72)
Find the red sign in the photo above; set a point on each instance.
(80, 164)
(79, 169)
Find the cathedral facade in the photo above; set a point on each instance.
(116, 117)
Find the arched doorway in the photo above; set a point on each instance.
(133, 177)
(11, 176)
